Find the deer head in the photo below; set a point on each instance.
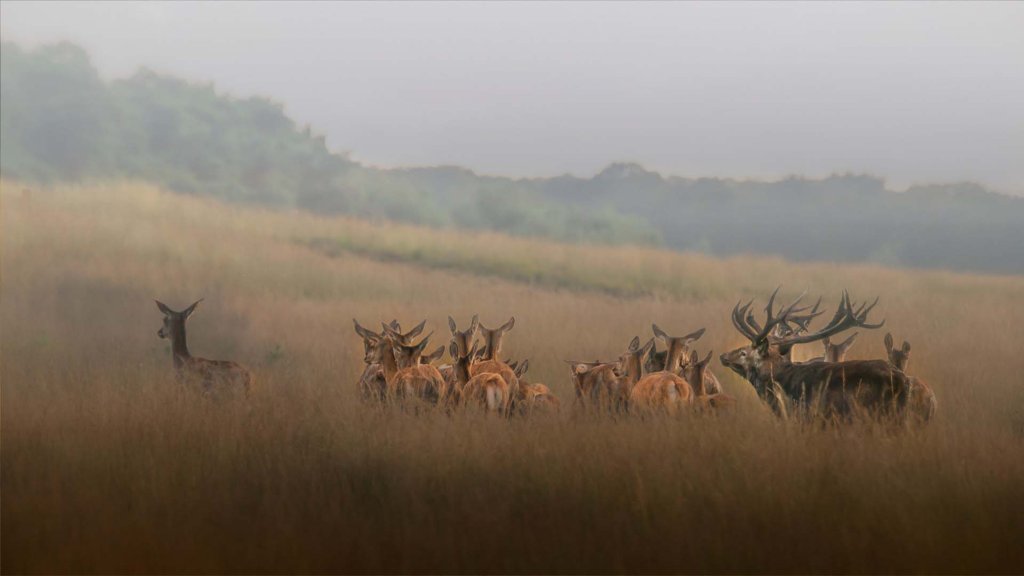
(633, 363)
(407, 355)
(898, 357)
(677, 346)
(837, 352)
(694, 370)
(493, 338)
(394, 331)
(465, 337)
(174, 322)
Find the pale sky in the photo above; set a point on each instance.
(913, 92)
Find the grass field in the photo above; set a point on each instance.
(109, 467)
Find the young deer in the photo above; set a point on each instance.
(835, 388)
(922, 401)
(675, 354)
(488, 391)
(533, 397)
(211, 375)
(695, 373)
(663, 391)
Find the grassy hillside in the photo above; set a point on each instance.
(61, 122)
(108, 466)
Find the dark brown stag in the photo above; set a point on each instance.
(832, 389)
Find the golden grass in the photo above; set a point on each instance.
(107, 466)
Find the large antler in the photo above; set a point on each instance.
(743, 318)
(846, 317)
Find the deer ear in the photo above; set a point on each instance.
(708, 358)
(634, 344)
(508, 325)
(451, 325)
(647, 348)
(658, 332)
(693, 357)
(888, 342)
(523, 368)
(694, 336)
(416, 331)
(849, 341)
(188, 311)
(163, 308)
(363, 332)
(396, 325)
(474, 323)
(906, 347)
(453, 350)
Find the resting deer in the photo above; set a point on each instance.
(836, 388)
(677, 347)
(922, 401)
(488, 391)
(490, 363)
(695, 373)
(211, 375)
(664, 391)
(533, 396)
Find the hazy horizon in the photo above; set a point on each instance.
(909, 92)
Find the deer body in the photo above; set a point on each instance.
(598, 386)
(661, 392)
(922, 403)
(695, 372)
(827, 388)
(488, 391)
(210, 375)
(490, 363)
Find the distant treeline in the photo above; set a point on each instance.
(60, 121)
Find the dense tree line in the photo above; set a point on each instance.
(60, 122)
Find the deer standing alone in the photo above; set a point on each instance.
(211, 375)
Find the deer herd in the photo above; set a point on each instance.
(642, 381)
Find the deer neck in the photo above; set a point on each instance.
(673, 356)
(179, 347)
(634, 369)
(389, 365)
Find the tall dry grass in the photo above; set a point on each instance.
(108, 466)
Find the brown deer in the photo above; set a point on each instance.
(211, 375)
(464, 338)
(489, 363)
(677, 348)
(406, 377)
(922, 401)
(595, 384)
(664, 391)
(534, 397)
(695, 373)
(487, 391)
(837, 352)
(371, 384)
(836, 389)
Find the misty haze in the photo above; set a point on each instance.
(511, 287)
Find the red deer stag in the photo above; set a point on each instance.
(211, 375)
(834, 388)
(922, 402)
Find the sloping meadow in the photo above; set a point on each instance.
(109, 466)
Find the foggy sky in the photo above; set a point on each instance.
(913, 92)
